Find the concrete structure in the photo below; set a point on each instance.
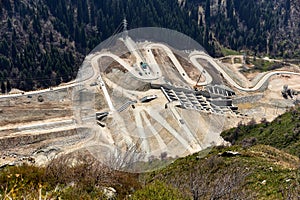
(101, 116)
(220, 90)
(146, 99)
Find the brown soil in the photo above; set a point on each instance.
(190, 69)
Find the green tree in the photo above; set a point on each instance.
(3, 87)
(8, 86)
(287, 11)
(1, 10)
(207, 13)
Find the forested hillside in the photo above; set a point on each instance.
(43, 42)
(268, 27)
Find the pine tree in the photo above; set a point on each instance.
(287, 11)
(8, 86)
(207, 13)
(3, 87)
(1, 10)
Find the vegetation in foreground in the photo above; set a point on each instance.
(87, 179)
(265, 165)
(257, 172)
(283, 133)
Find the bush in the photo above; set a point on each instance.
(40, 98)
(66, 178)
(248, 142)
(157, 191)
(20, 182)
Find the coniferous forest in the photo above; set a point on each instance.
(43, 42)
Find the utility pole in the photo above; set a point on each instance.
(125, 31)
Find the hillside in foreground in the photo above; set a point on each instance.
(257, 172)
(251, 169)
(283, 133)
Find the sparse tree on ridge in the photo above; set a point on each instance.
(8, 86)
(2, 87)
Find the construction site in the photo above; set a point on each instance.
(142, 98)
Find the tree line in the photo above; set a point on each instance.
(44, 42)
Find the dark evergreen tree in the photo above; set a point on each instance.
(287, 11)
(207, 13)
(3, 88)
(8, 86)
(1, 10)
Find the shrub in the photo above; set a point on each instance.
(40, 98)
(248, 142)
(157, 191)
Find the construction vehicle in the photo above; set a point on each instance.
(288, 92)
(196, 86)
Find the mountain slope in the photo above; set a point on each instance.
(268, 27)
(259, 172)
(247, 171)
(283, 133)
(43, 42)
